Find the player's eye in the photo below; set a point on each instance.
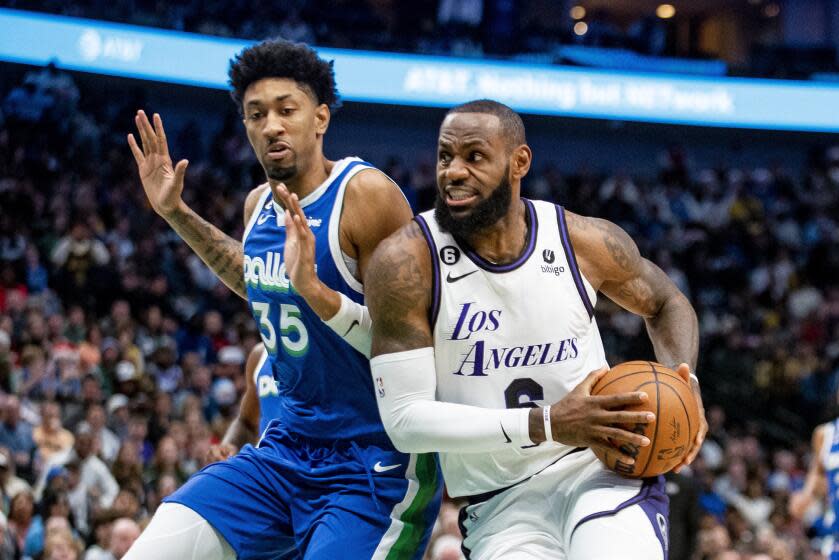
(287, 111)
(444, 158)
(476, 156)
(256, 115)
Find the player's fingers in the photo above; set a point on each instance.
(141, 130)
(150, 134)
(692, 453)
(612, 451)
(180, 171)
(625, 417)
(161, 135)
(621, 400)
(684, 372)
(146, 134)
(290, 226)
(617, 434)
(592, 378)
(282, 194)
(298, 210)
(135, 149)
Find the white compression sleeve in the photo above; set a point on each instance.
(353, 324)
(406, 386)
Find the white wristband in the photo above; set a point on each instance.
(352, 323)
(546, 417)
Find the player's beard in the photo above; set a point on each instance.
(483, 215)
(277, 173)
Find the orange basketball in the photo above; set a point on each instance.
(675, 426)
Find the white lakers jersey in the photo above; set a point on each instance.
(515, 335)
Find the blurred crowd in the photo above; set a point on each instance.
(456, 27)
(121, 355)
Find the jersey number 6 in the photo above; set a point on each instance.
(522, 392)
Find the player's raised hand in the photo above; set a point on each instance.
(162, 182)
(220, 452)
(299, 251)
(585, 420)
(684, 371)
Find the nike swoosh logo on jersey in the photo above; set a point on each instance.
(354, 323)
(379, 468)
(452, 279)
(262, 219)
(503, 431)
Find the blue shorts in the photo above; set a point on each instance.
(292, 498)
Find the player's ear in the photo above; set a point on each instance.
(322, 116)
(520, 161)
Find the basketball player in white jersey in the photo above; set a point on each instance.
(485, 349)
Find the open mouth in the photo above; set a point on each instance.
(457, 197)
(278, 151)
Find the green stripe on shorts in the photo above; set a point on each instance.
(414, 517)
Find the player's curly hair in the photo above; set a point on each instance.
(278, 58)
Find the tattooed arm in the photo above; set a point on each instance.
(398, 292)
(223, 254)
(164, 184)
(611, 262)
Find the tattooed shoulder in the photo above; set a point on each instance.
(397, 291)
(605, 244)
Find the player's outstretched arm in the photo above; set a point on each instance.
(374, 208)
(164, 185)
(610, 260)
(815, 483)
(245, 427)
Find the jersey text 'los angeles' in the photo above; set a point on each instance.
(505, 336)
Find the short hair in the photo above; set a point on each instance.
(511, 123)
(278, 58)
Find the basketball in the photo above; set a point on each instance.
(675, 426)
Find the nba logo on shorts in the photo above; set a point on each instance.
(380, 387)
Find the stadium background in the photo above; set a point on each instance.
(121, 355)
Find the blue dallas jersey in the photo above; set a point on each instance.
(266, 390)
(324, 385)
(830, 461)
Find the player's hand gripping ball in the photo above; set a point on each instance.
(676, 417)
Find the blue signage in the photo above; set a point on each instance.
(401, 79)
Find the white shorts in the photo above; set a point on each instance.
(575, 509)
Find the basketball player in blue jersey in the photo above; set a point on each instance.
(485, 348)
(822, 481)
(324, 481)
(259, 405)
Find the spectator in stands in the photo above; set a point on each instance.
(16, 434)
(21, 513)
(51, 437)
(10, 484)
(61, 545)
(54, 514)
(79, 258)
(95, 421)
(123, 534)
